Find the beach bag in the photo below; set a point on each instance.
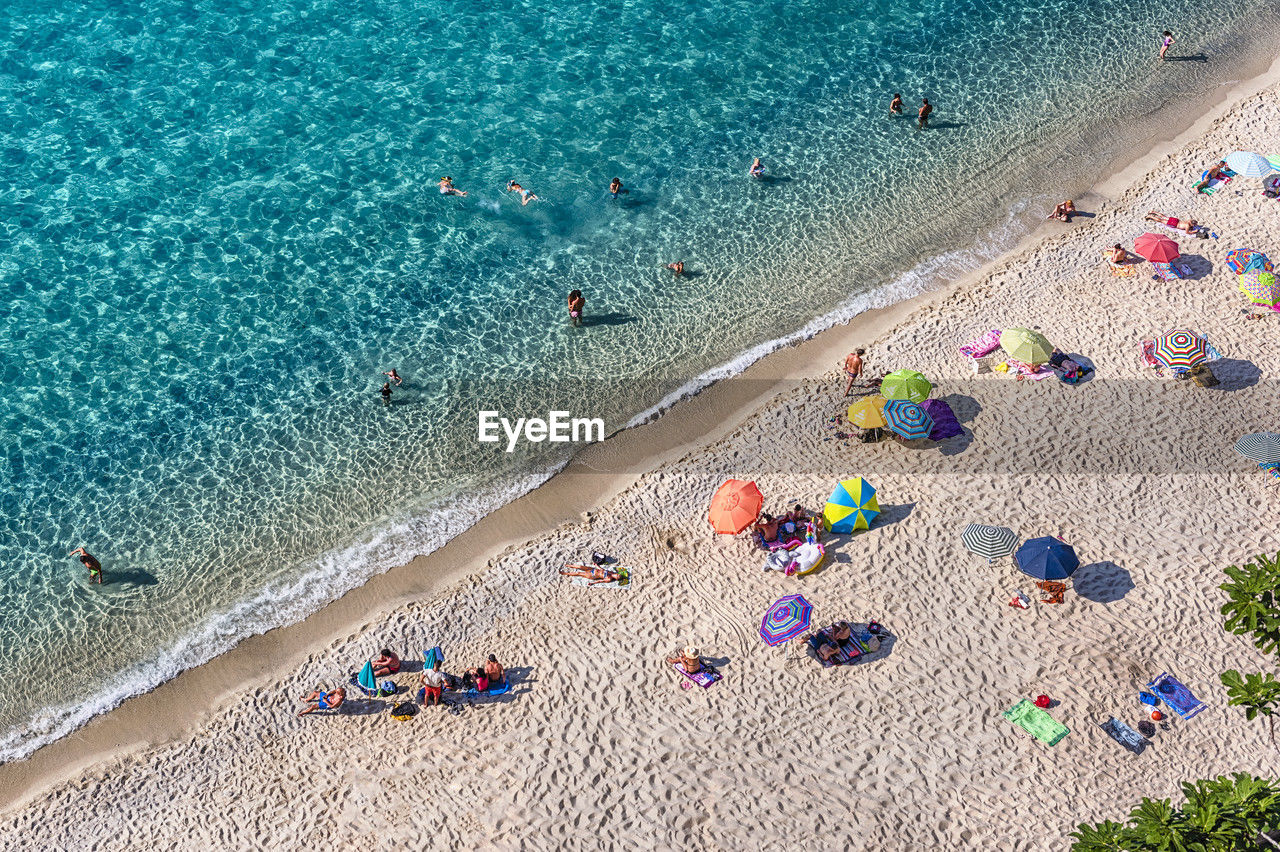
(404, 712)
(1204, 377)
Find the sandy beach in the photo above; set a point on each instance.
(598, 745)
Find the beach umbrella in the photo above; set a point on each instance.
(1246, 259)
(1180, 349)
(1025, 345)
(905, 384)
(989, 542)
(1156, 248)
(735, 506)
(908, 419)
(366, 678)
(1047, 558)
(1248, 164)
(868, 412)
(1274, 160)
(786, 619)
(852, 505)
(1262, 447)
(1261, 288)
(945, 424)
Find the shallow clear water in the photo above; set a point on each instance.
(219, 224)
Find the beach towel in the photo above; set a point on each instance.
(1215, 184)
(1171, 271)
(703, 678)
(1036, 722)
(1123, 734)
(1122, 270)
(431, 656)
(1027, 371)
(980, 347)
(624, 582)
(845, 654)
(945, 424)
(1148, 354)
(497, 689)
(1175, 694)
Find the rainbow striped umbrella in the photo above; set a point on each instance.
(908, 419)
(905, 384)
(1261, 288)
(1180, 349)
(1246, 259)
(851, 506)
(786, 619)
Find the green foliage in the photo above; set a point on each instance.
(1258, 694)
(1220, 815)
(1253, 601)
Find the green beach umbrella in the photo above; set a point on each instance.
(905, 384)
(1025, 345)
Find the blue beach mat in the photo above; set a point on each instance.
(1174, 693)
(1123, 734)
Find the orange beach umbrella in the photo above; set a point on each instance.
(735, 506)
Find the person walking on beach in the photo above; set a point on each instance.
(853, 369)
(577, 302)
(925, 109)
(1166, 44)
(386, 393)
(677, 268)
(525, 195)
(394, 376)
(895, 105)
(88, 561)
(757, 169)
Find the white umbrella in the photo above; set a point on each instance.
(1248, 164)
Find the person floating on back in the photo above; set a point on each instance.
(525, 195)
(757, 169)
(925, 109)
(895, 105)
(88, 561)
(1166, 44)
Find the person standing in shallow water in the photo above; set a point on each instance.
(386, 393)
(895, 105)
(757, 169)
(1165, 44)
(577, 302)
(88, 561)
(926, 109)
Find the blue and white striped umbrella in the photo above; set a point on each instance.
(907, 419)
(1248, 164)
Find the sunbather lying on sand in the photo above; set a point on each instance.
(321, 700)
(824, 645)
(594, 573)
(690, 661)
(1188, 225)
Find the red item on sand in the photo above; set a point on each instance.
(1156, 715)
(1042, 701)
(1156, 248)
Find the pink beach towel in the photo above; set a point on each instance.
(1027, 371)
(982, 346)
(1148, 354)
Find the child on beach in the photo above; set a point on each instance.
(1166, 44)
(577, 302)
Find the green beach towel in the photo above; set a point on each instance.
(1036, 722)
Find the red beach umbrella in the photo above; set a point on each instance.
(735, 506)
(1156, 248)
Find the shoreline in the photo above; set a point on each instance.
(592, 478)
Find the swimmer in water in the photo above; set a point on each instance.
(895, 105)
(576, 304)
(394, 376)
(615, 187)
(757, 169)
(922, 120)
(386, 393)
(525, 195)
(87, 560)
(677, 268)
(1165, 43)
(447, 187)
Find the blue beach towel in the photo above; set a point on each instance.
(1175, 694)
(431, 656)
(1123, 734)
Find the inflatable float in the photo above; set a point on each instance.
(803, 558)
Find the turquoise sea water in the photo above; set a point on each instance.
(219, 224)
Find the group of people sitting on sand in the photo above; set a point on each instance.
(485, 677)
(792, 526)
(833, 642)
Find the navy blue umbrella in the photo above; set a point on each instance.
(1047, 558)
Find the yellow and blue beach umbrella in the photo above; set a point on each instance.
(851, 506)
(905, 384)
(908, 419)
